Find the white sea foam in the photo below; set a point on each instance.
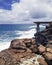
(23, 34)
(32, 26)
(4, 45)
(27, 34)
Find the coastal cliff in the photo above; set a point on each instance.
(26, 52)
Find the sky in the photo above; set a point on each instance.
(25, 11)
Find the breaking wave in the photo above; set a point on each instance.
(7, 36)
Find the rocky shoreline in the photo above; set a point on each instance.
(26, 52)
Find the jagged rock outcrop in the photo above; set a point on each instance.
(26, 52)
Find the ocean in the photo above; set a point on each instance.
(9, 32)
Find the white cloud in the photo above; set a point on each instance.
(27, 11)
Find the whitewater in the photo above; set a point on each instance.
(6, 38)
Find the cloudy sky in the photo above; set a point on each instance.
(25, 11)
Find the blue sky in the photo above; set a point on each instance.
(6, 4)
(25, 11)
